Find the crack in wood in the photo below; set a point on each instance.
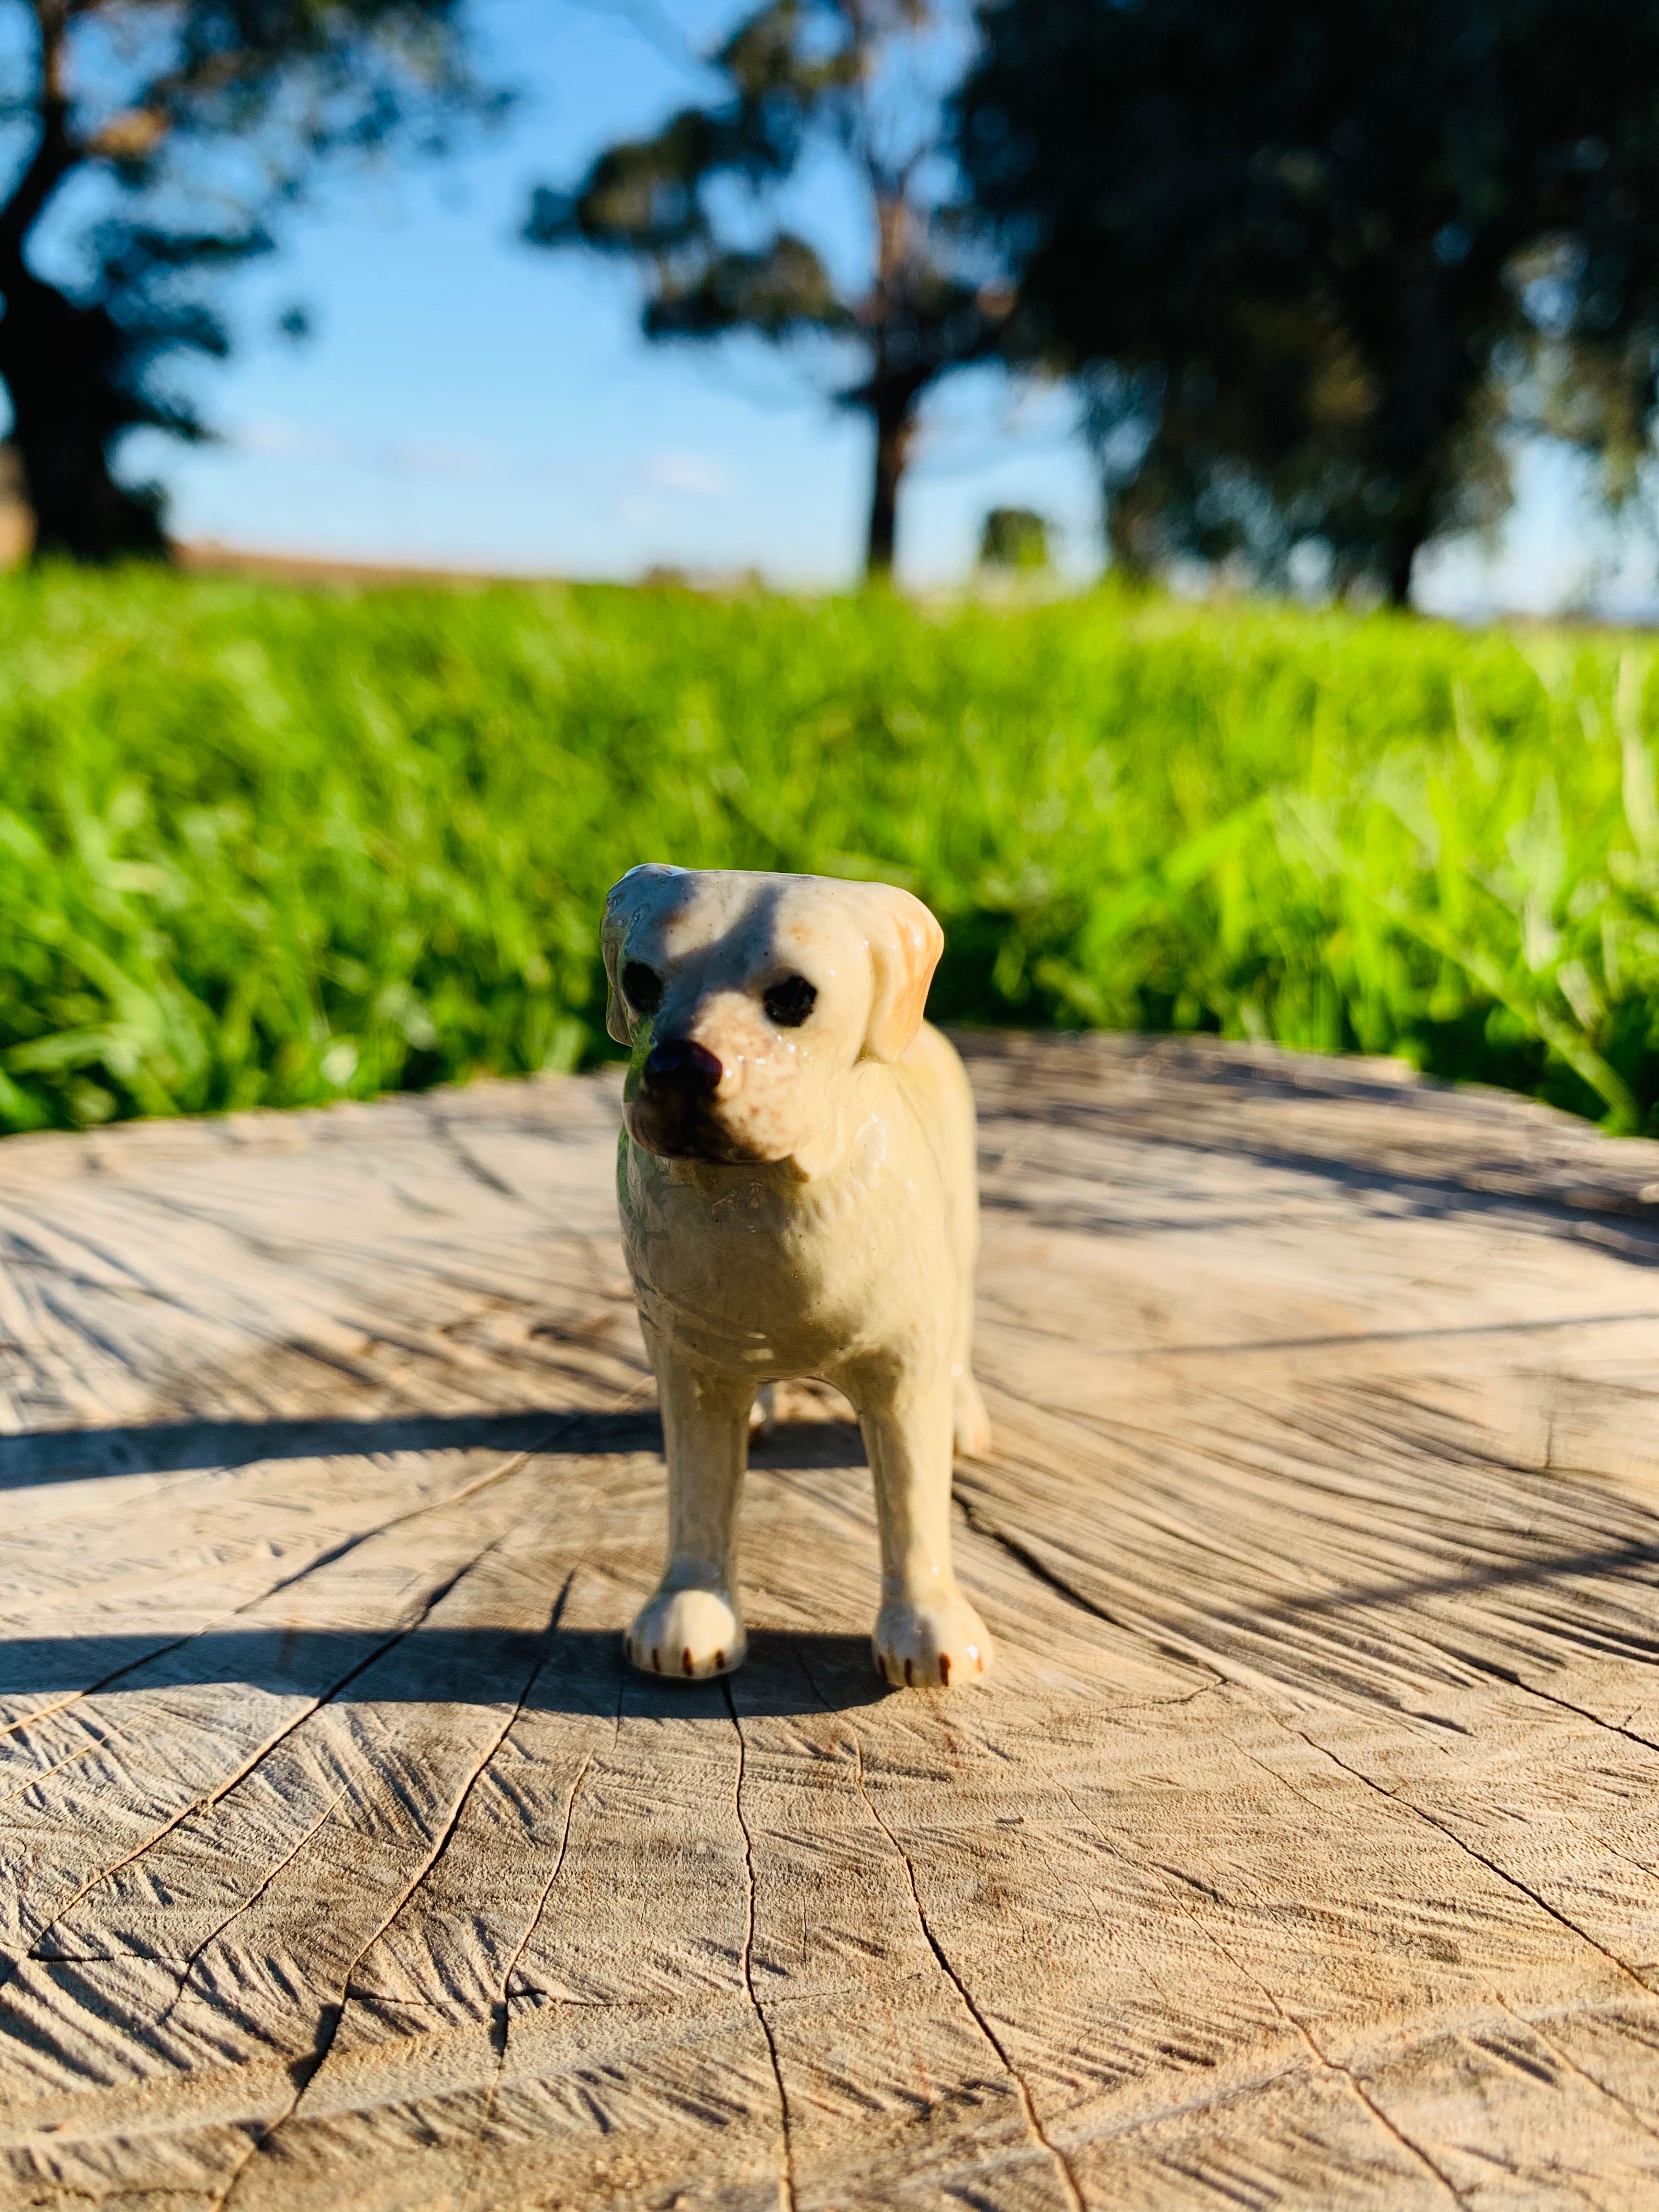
(1500, 1673)
(221, 1789)
(1039, 2135)
(1346, 2074)
(500, 2020)
(1290, 2020)
(1407, 1804)
(787, 2178)
(329, 1557)
(247, 1904)
(1564, 2057)
(304, 2070)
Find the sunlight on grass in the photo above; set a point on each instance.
(266, 846)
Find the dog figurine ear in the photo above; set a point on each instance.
(623, 905)
(905, 943)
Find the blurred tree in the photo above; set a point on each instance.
(205, 116)
(1014, 537)
(1311, 255)
(801, 76)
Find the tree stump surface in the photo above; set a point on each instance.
(1301, 1849)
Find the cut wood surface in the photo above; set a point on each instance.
(1301, 1851)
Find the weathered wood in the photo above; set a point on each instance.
(1300, 1852)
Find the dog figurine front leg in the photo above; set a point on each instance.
(927, 1633)
(693, 1624)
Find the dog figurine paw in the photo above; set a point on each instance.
(797, 1184)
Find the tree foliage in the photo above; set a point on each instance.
(799, 76)
(203, 119)
(1014, 538)
(1312, 253)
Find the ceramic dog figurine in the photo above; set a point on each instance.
(798, 1198)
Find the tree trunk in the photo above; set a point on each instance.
(1128, 531)
(68, 369)
(1402, 552)
(61, 363)
(895, 424)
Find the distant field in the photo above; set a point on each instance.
(266, 845)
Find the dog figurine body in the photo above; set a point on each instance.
(797, 1184)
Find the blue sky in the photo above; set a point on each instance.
(466, 400)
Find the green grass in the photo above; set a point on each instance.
(261, 845)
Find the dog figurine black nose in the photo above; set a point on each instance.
(677, 1064)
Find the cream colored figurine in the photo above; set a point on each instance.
(797, 1199)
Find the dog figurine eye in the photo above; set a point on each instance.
(642, 986)
(788, 1004)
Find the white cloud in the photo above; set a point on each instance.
(272, 438)
(431, 460)
(277, 439)
(688, 473)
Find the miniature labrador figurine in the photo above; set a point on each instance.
(797, 1199)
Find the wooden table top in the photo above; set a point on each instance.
(1302, 1849)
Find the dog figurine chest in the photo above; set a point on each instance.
(757, 1270)
(796, 1183)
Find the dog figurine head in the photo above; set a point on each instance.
(746, 998)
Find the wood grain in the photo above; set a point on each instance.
(1302, 1851)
